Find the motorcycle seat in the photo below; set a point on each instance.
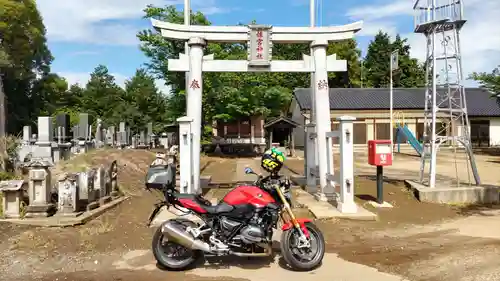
(220, 208)
(207, 205)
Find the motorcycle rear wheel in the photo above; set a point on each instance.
(303, 259)
(161, 244)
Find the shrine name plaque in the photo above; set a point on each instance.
(259, 45)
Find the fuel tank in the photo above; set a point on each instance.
(246, 194)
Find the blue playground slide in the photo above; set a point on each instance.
(411, 138)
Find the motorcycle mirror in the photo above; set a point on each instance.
(249, 170)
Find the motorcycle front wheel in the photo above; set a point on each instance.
(170, 255)
(303, 259)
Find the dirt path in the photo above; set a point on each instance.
(445, 251)
(417, 241)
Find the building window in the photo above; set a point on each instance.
(480, 133)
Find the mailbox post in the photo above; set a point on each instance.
(380, 155)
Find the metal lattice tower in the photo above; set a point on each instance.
(445, 103)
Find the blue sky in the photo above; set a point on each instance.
(83, 34)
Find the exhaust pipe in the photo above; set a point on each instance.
(175, 232)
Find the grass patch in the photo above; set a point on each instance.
(89, 233)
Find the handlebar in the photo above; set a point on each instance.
(263, 179)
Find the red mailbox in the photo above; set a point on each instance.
(379, 152)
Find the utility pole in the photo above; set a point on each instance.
(393, 66)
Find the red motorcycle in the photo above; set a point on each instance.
(241, 224)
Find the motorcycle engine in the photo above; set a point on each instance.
(227, 226)
(248, 235)
(252, 234)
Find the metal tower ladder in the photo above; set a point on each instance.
(441, 21)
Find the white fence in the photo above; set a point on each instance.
(345, 177)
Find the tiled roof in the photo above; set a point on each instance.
(281, 119)
(479, 101)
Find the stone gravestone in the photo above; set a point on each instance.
(100, 186)
(150, 135)
(12, 198)
(122, 138)
(74, 139)
(83, 126)
(61, 150)
(134, 142)
(84, 131)
(86, 189)
(63, 128)
(99, 139)
(26, 145)
(68, 196)
(83, 189)
(27, 135)
(142, 140)
(43, 149)
(129, 136)
(39, 187)
(110, 135)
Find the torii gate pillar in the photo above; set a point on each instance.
(322, 119)
(194, 105)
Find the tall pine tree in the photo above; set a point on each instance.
(410, 74)
(376, 64)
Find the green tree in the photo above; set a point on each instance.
(488, 81)
(24, 55)
(49, 93)
(411, 74)
(158, 50)
(346, 50)
(143, 103)
(69, 103)
(376, 63)
(101, 95)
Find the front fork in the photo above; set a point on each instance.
(302, 229)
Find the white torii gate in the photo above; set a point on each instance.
(259, 39)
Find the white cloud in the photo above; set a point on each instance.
(374, 12)
(376, 17)
(374, 27)
(82, 78)
(102, 21)
(480, 39)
